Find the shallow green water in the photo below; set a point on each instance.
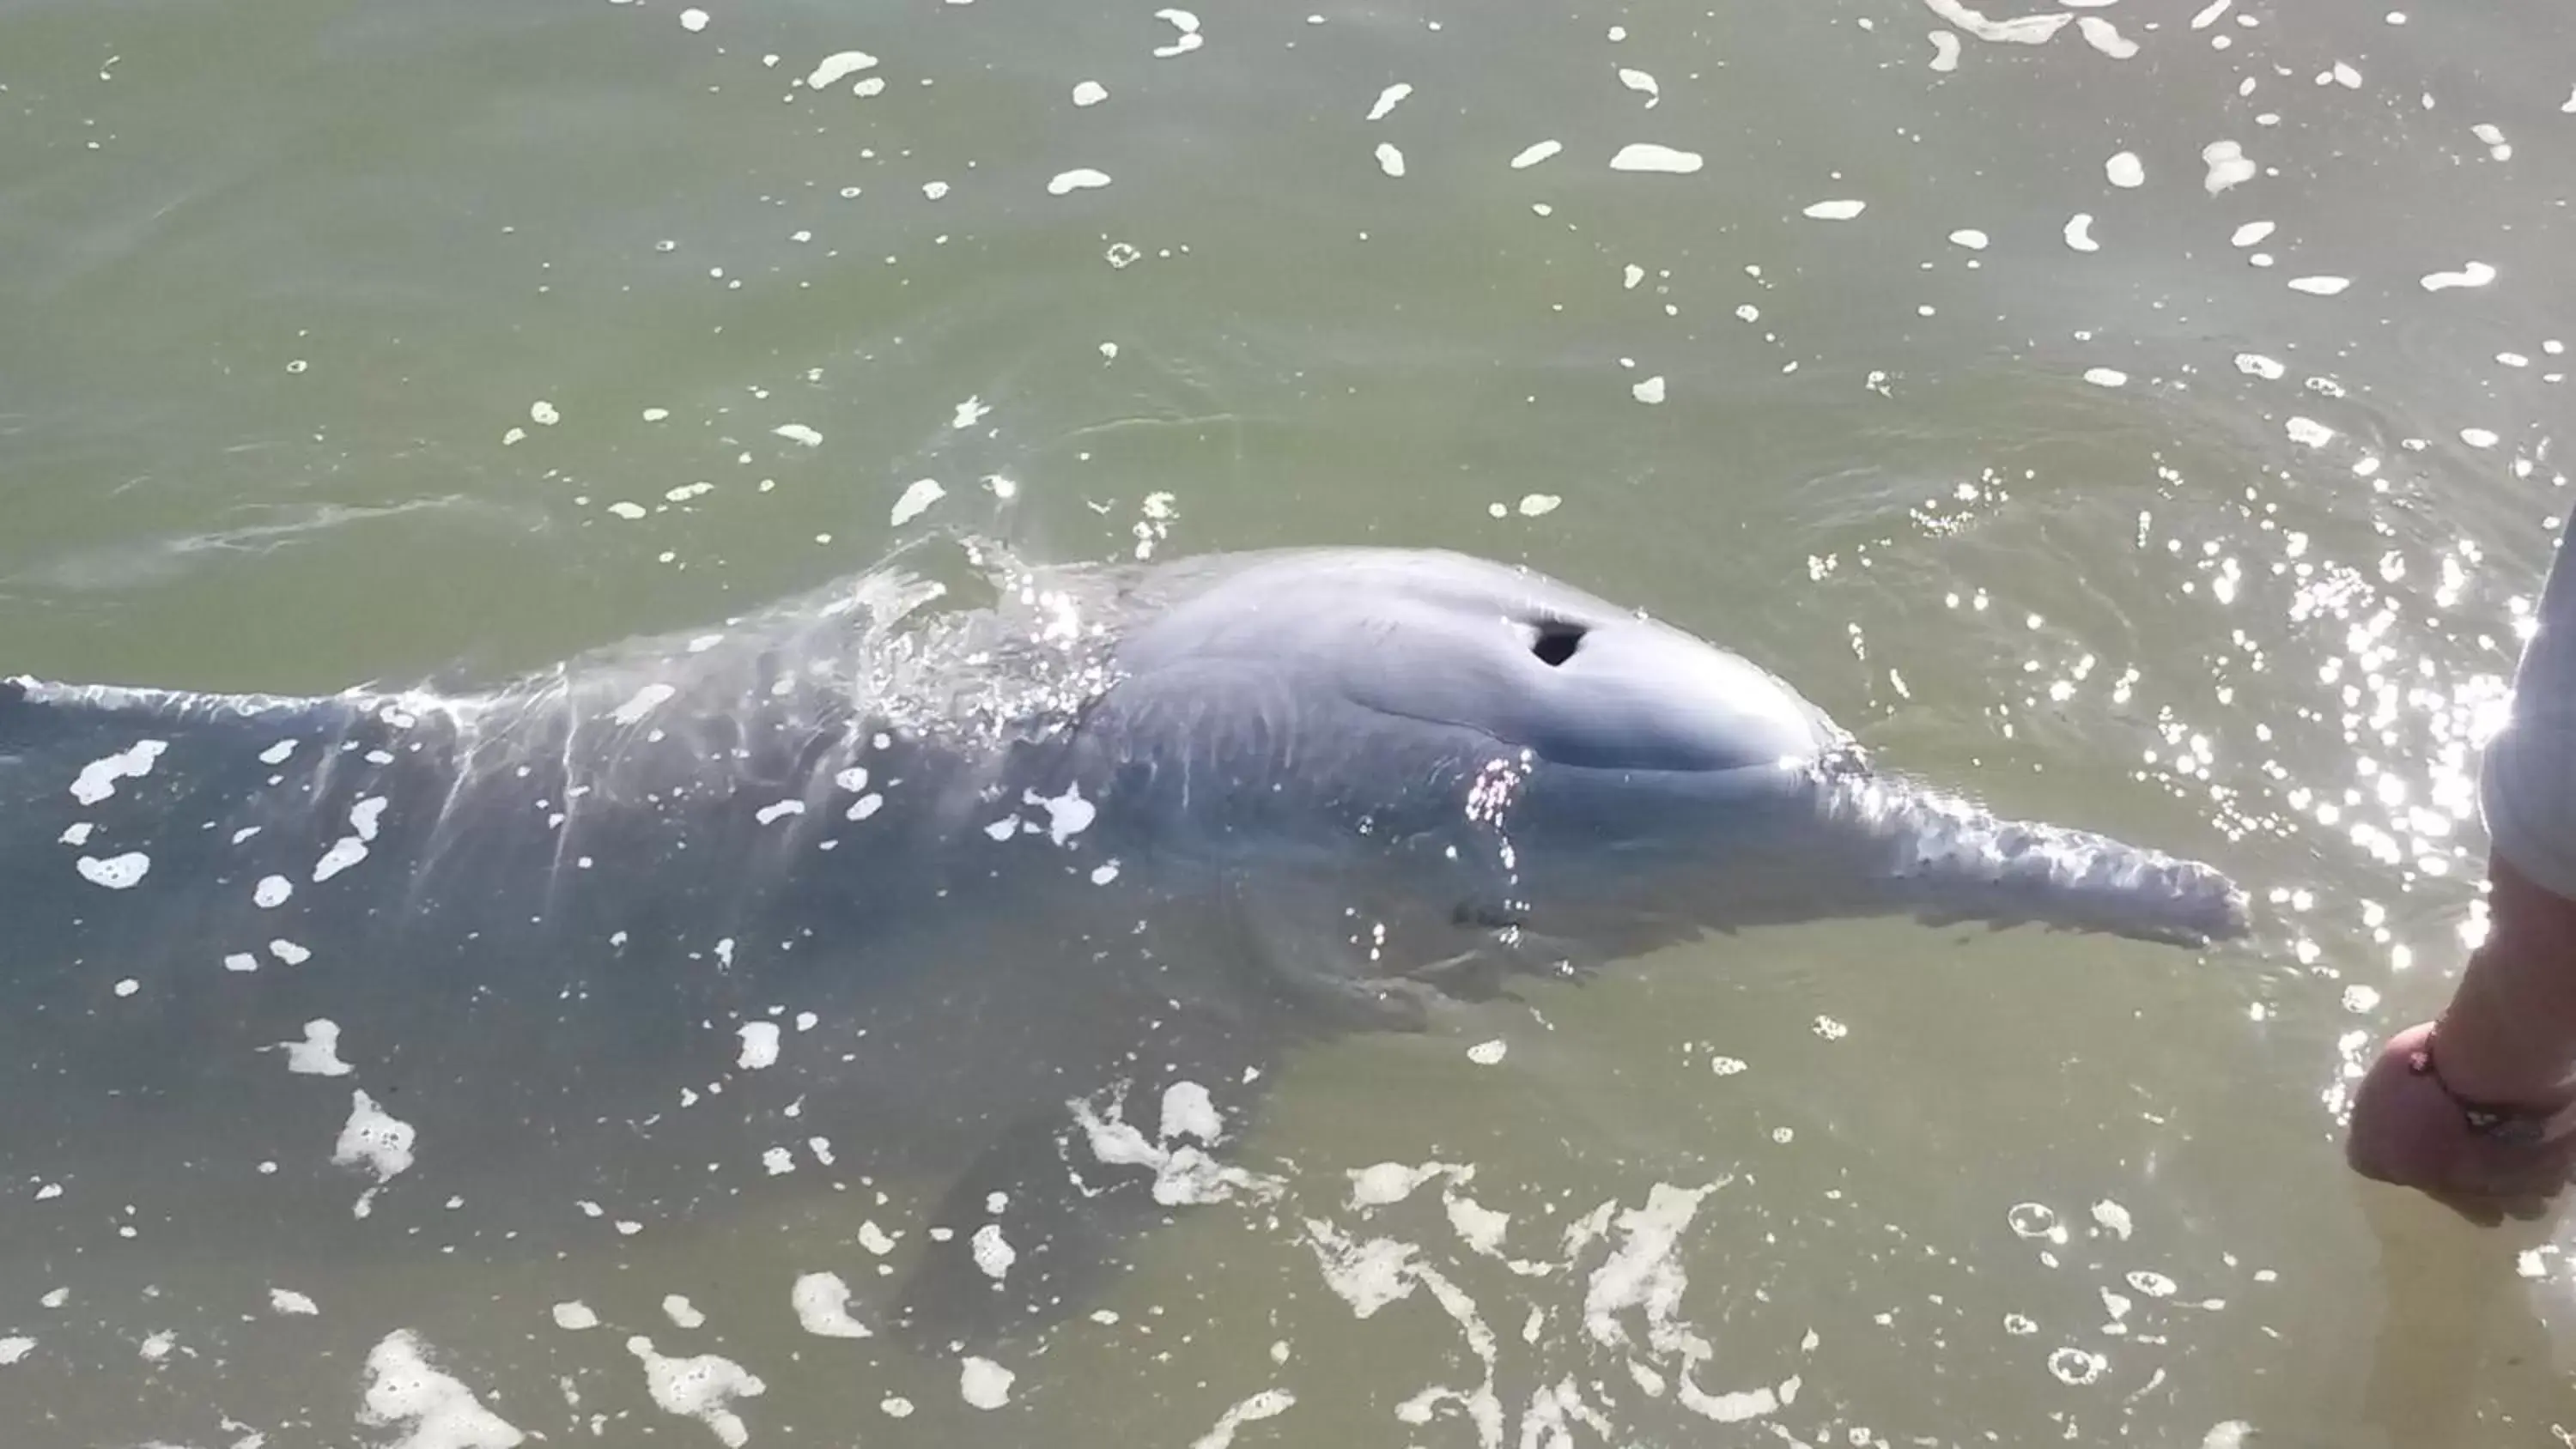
(338, 341)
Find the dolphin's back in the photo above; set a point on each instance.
(110, 787)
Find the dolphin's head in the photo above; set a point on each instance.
(1613, 766)
(1568, 767)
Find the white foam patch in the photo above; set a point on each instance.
(2228, 166)
(1642, 83)
(1969, 237)
(345, 852)
(1389, 159)
(822, 1303)
(318, 1054)
(693, 20)
(1188, 1111)
(1649, 391)
(2308, 432)
(1386, 1183)
(97, 779)
(1488, 1053)
(289, 952)
(1089, 93)
(1068, 814)
(992, 1252)
(915, 501)
(701, 1388)
(772, 814)
(1389, 99)
(1648, 156)
(2106, 377)
(2319, 286)
(1483, 1407)
(2125, 170)
(77, 834)
(434, 1410)
(1540, 505)
(2251, 232)
(116, 872)
(2478, 437)
(2255, 364)
(1644, 1274)
(2079, 232)
(984, 1384)
(646, 700)
(375, 1140)
(1080, 178)
(2020, 30)
(799, 433)
(1182, 1174)
(1553, 1412)
(1737, 1407)
(759, 1045)
(575, 1317)
(1268, 1404)
(839, 66)
(286, 1302)
(682, 1312)
(1189, 38)
(2475, 274)
(1532, 155)
(2105, 37)
(1481, 1228)
(1366, 1274)
(1841, 210)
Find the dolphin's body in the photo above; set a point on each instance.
(897, 870)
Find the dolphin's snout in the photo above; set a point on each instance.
(1954, 859)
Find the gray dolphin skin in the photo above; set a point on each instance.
(915, 899)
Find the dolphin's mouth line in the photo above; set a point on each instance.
(1445, 722)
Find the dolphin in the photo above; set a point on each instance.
(1010, 882)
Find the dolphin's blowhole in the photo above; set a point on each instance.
(1555, 640)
